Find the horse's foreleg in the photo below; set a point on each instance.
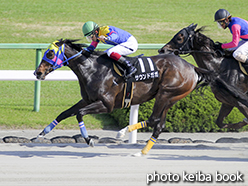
(67, 113)
(93, 108)
(224, 111)
(49, 127)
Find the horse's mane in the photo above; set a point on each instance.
(79, 46)
(72, 43)
(204, 41)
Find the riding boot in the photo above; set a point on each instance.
(129, 68)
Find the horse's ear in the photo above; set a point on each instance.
(195, 26)
(192, 26)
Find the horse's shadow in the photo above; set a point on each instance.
(50, 154)
(197, 158)
(86, 152)
(171, 147)
(174, 157)
(54, 153)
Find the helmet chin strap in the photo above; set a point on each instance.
(226, 24)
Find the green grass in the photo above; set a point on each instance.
(35, 21)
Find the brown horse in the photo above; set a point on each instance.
(102, 89)
(202, 48)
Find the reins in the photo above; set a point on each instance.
(72, 57)
(187, 53)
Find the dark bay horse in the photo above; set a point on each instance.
(102, 89)
(193, 42)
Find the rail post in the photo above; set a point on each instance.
(133, 119)
(37, 83)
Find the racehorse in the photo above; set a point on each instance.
(202, 48)
(102, 89)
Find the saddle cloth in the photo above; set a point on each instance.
(146, 70)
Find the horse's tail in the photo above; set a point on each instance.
(227, 91)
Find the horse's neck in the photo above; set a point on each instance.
(207, 61)
(82, 67)
(202, 56)
(90, 69)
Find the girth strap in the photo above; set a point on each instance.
(128, 94)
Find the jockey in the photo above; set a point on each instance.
(239, 29)
(124, 43)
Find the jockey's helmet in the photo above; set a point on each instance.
(89, 27)
(221, 15)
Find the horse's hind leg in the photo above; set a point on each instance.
(130, 128)
(158, 122)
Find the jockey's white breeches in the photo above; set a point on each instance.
(124, 48)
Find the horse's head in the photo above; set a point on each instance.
(181, 42)
(57, 55)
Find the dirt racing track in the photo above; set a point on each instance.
(214, 159)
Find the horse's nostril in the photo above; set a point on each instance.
(38, 73)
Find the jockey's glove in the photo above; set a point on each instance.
(217, 46)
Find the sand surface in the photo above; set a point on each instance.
(113, 164)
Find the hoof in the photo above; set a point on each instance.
(39, 139)
(91, 143)
(245, 120)
(138, 154)
(121, 133)
(238, 125)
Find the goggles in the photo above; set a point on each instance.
(89, 37)
(221, 23)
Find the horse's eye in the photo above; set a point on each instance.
(180, 38)
(50, 54)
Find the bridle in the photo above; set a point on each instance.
(60, 58)
(188, 45)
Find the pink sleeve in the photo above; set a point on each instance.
(236, 37)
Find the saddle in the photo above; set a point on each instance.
(243, 67)
(146, 70)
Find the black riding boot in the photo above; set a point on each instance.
(129, 68)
